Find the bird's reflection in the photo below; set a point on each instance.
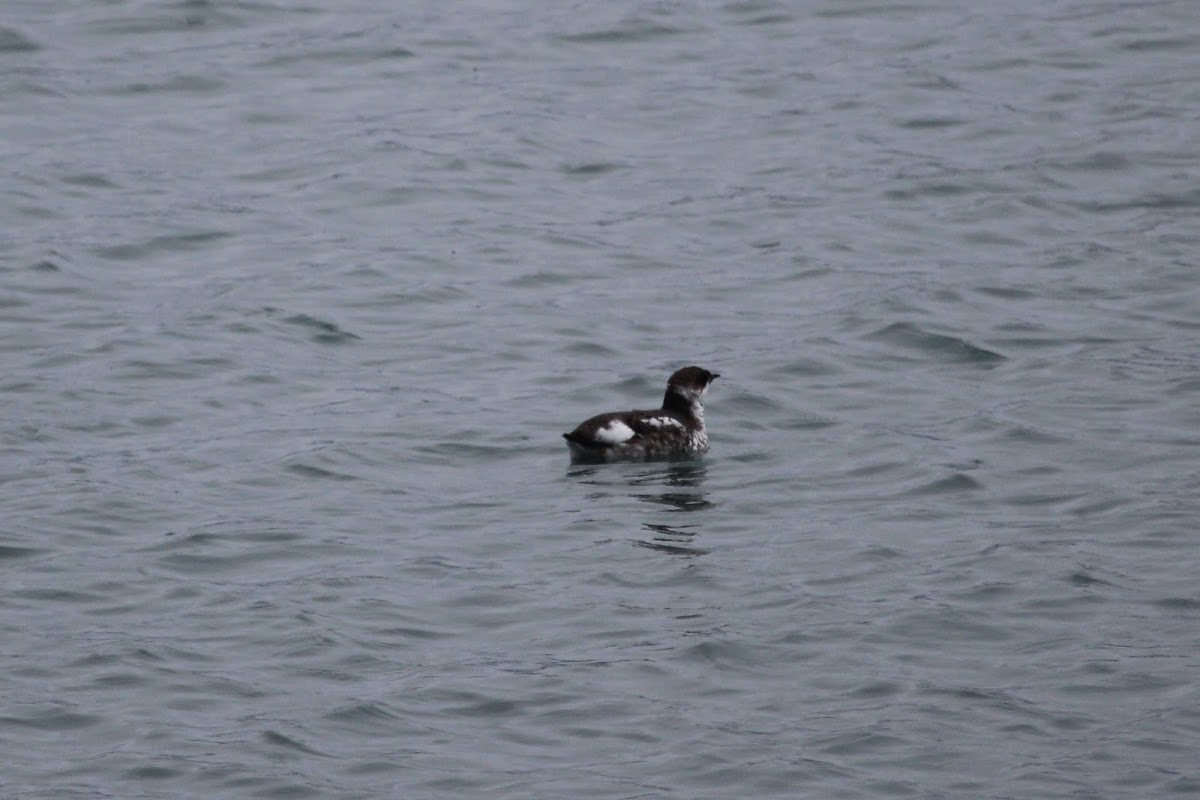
(676, 488)
(675, 540)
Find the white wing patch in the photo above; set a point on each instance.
(662, 422)
(614, 432)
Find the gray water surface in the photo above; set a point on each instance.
(295, 303)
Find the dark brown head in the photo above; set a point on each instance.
(695, 379)
(686, 388)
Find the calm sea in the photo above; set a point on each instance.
(295, 301)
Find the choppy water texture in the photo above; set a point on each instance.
(295, 301)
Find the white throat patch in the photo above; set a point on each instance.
(693, 398)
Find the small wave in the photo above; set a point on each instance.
(949, 348)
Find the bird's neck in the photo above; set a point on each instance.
(685, 403)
